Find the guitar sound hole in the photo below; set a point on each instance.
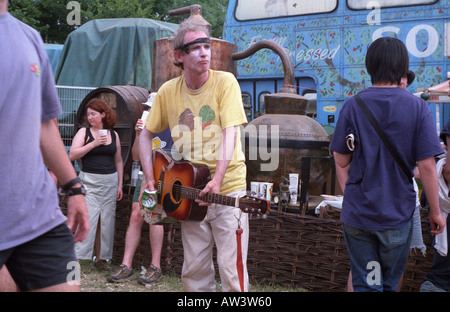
(176, 191)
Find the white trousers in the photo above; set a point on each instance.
(101, 194)
(219, 227)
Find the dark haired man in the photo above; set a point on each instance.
(379, 198)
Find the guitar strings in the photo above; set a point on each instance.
(182, 191)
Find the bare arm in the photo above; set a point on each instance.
(55, 157)
(342, 162)
(429, 179)
(145, 154)
(79, 149)
(135, 147)
(342, 175)
(119, 166)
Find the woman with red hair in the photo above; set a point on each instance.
(102, 174)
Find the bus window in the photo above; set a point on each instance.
(247, 103)
(311, 107)
(368, 4)
(251, 10)
(262, 104)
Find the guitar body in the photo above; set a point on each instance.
(173, 175)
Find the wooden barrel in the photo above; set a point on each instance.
(127, 103)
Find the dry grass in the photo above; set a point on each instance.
(94, 280)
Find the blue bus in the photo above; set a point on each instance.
(327, 41)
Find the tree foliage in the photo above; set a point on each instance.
(49, 17)
(212, 10)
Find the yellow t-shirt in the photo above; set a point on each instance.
(196, 119)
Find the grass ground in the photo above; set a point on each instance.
(94, 280)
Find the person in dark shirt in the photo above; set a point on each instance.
(379, 198)
(102, 174)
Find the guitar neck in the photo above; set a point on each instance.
(193, 193)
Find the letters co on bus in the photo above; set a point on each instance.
(327, 41)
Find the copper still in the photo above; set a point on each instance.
(298, 135)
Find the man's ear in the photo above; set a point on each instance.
(178, 56)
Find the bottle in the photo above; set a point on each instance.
(139, 180)
(135, 167)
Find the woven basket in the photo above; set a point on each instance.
(307, 252)
(290, 250)
(287, 249)
(295, 250)
(418, 264)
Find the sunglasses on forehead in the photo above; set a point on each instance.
(185, 47)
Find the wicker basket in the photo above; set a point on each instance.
(307, 252)
(418, 264)
(295, 250)
(287, 249)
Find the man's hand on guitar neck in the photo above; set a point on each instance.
(213, 187)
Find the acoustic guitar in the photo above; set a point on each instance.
(179, 184)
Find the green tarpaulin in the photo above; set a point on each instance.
(111, 52)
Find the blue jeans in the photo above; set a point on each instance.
(377, 258)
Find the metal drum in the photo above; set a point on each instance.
(297, 135)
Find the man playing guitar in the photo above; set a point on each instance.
(203, 109)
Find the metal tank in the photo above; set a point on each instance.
(296, 136)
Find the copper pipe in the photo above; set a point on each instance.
(192, 10)
(288, 66)
(195, 12)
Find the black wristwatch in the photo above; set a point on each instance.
(68, 190)
(76, 191)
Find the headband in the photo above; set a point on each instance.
(185, 47)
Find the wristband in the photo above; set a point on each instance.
(76, 191)
(71, 183)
